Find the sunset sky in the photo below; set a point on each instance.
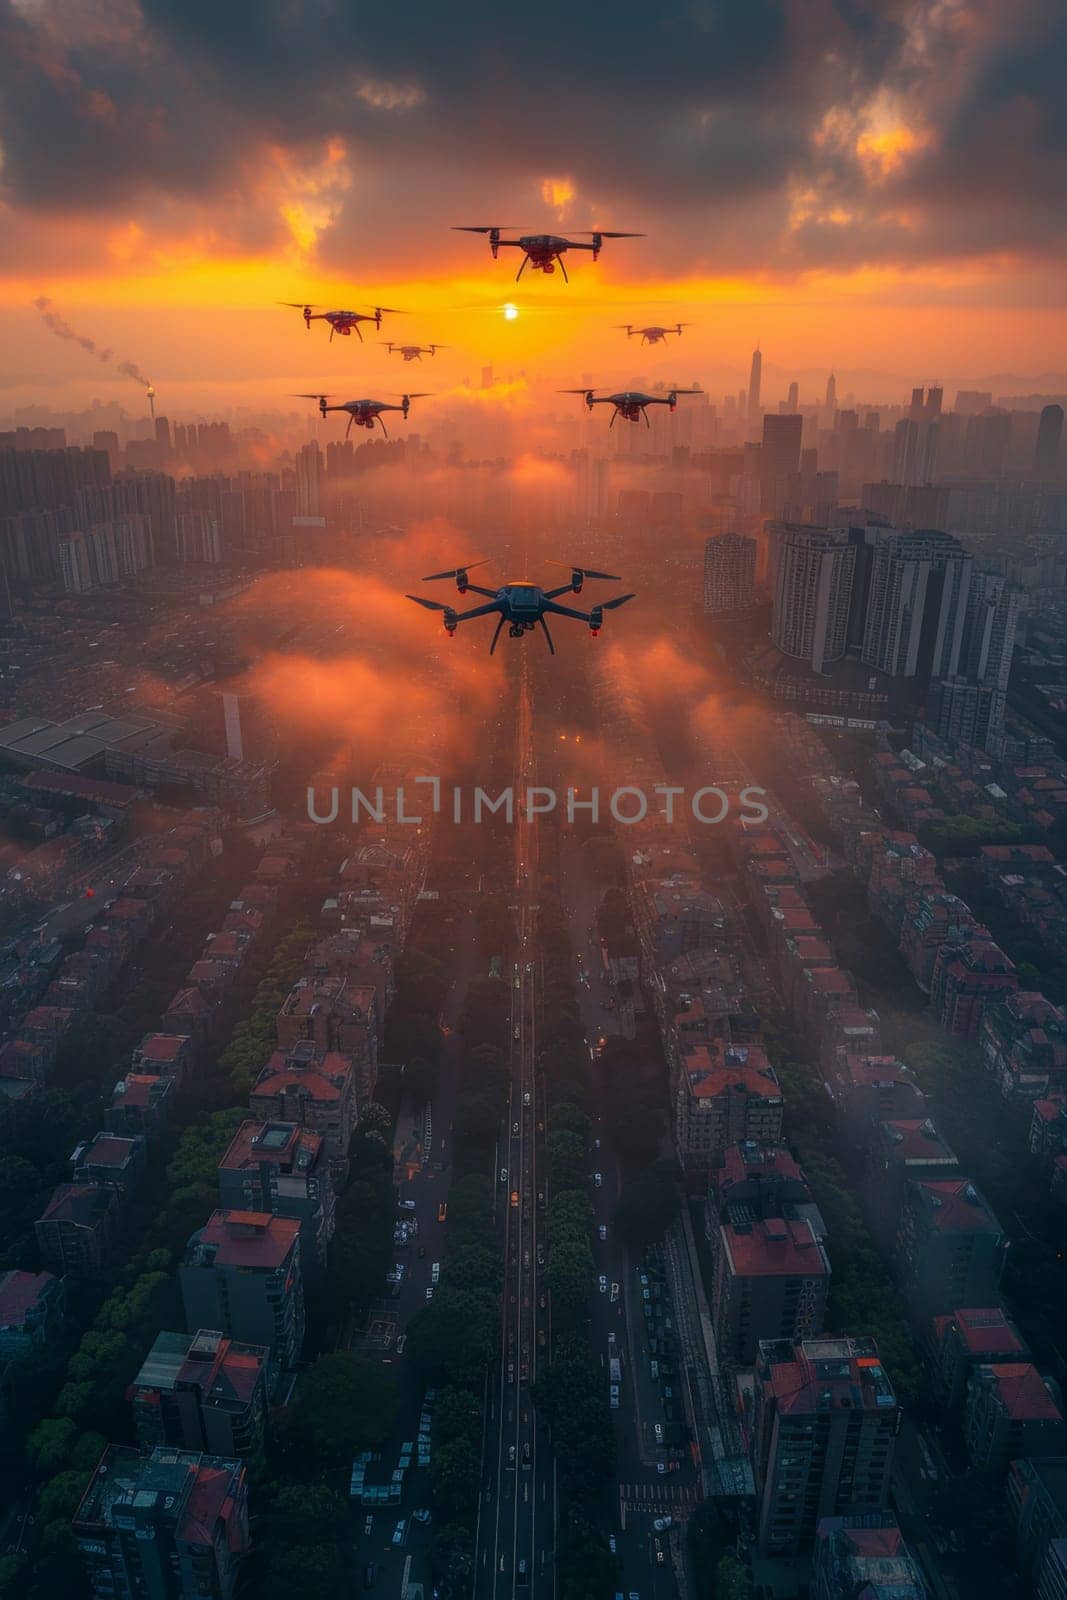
(872, 186)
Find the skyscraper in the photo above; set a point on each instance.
(793, 403)
(755, 375)
(779, 459)
(989, 634)
(1049, 434)
(812, 590)
(308, 475)
(823, 1437)
(729, 573)
(831, 393)
(916, 604)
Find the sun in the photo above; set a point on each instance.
(510, 312)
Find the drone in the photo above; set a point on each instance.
(343, 322)
(522, 605)
(543, 250)
(653, 335)
(364, 413)
(415, 352)
(631, 403)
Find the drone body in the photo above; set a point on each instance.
(653, 335)
(630, 404)
(542, 250)
(414, 352)
(363, 413)
(521, 604)
(344, 323)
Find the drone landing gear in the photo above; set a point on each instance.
(496, 635)
(548, 636)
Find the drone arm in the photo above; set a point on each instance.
(565, 611)
(479, 611)
(474, 588)
(564, 588)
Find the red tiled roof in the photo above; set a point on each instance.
(774, 1248)
(19, 1293)
(1023, 1394)
(249, 1238)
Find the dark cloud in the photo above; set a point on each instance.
(734, 125)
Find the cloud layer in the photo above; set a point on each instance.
(775, 136)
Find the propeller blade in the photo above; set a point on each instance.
(418, 394)
(604, 234)
(494, 227)
(612, 605)
(575, 391)
(298, 305)
(587, 572)
(431, 605)
(394, 311)
(318, 396)
(467, 566)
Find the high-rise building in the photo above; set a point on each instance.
(772, 1277)
(201, 1391)
(990, 628)
(864, 1556)
(729, 573)
(916, 604)
(793, 402)
(755, 377)
(779, 459)
(950, 1247)
(241, 1273)
(172, 1525)
(1049, 434)
(812, 591)
(284, 1169)
(970, 401)
(308, 479)
(824, 1428)
(831, 394)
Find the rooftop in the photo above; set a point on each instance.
(283, 1144)
(1022, 1392)
(774, 1248)
(239, 1239)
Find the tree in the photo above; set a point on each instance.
(732, 1580)
(343, 1404)
(62, 1495)
(50, 1444)
(456, 1333)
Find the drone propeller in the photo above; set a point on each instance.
(454, 572)
(576, 391)
(611, 605)
(431, 605)
(394, 311)
(310, 397)
(418, 394)
(587, 572)
(496, 227)
(601, 233)
(298, 305)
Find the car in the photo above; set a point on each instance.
(602, 1232)
(540, 1255)
(614, 1293)
(442, 1211)
(435, 1272)
(422, 1252)
(511, 1372)
(668, 1392)
(429, 1291)
(368, 1527)
(515, 1034)
(541, 1338)
(602, 1284)
(503, 1174)
(407, 1205)
(398, 1532)
(514, 1130)
(611, 1340)
(657, 1429)
(646, 1294)
(598, 1180)
(661, 1524)
(511, 1455)
(614, 1396)
(422, 1516)
(612, 1546)
(368, 1575)
(522, 1559)
(514, 1197)
(660, 1556)
(400, 1343)
(526, 1098)
(526, 1454)
(596, 1144)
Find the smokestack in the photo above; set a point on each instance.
(152, 401)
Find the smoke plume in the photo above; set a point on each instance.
(63, 330)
